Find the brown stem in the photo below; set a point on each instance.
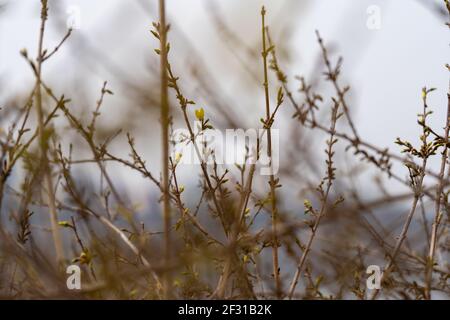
(45, 167)
(324, 202)
(417, 185)
(272, 182)
(438, 201)
(165, 145)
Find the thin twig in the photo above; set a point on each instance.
(46, 169)
(272, 182)
(438, 200)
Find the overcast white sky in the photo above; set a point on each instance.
(408, 52)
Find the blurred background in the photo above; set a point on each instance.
(390, 50)
(386, 63)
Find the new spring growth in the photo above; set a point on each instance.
(426, 91)
(178, 157)
(84, 258)
(308, 206)
(200, 114)
(24, 53)
(65, 224)
(427, 148)
(157, 34)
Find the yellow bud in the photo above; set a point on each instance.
(424, 94)
(85, 257)
(64, 224)
(307, 204)
(200, 114)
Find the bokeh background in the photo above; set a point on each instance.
(386, 67)
(215, 50)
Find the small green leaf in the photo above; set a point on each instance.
(65, 224)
